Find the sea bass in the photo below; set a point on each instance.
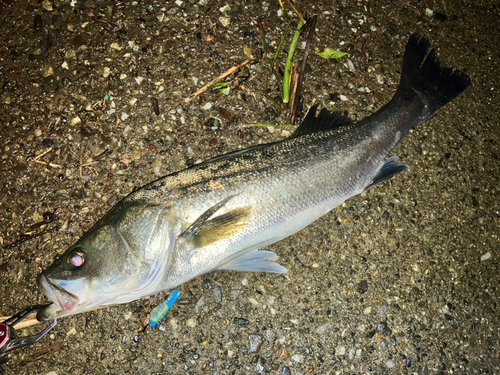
(217, 215)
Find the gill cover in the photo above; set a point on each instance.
(121, 259)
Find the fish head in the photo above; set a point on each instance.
(121, 259)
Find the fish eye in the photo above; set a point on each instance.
(76, 258)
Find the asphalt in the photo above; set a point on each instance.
(401, 280)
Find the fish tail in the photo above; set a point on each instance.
(424, 78)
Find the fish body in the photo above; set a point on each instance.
(218, 214)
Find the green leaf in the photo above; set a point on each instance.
(329, 53)
(225, 87)
(222, 84)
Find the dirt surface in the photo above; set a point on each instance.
(403, 279)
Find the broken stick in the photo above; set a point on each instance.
(218, 79)
(28, 322)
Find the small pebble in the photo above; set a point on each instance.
(112, 200)
(286, 371)
(47, 142)
(486, 256)
(383, 345)
(199, 304)
(48, 71)
(47, 5)
(217, 294)
(71, 332)
(362, 286)
(284, 354)
(225, 21)
(241, 321)
(255, 343)
(384, 329)
(253, 301)
(322, 329)
(207, 284)
(359, 353)
(270, 334)
(393, 340)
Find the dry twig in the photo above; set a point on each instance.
(47, 163)
(29, 321)
(81, 162)
(42, 353)
(218, 79)
(43, 153)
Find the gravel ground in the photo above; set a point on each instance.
(403, 279)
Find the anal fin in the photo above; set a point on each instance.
(253, 261)
(389, 169)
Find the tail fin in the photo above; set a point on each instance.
(423, 73)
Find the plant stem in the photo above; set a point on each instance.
(276, 55)
(288, 65)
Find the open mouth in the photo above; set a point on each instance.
(63, 302)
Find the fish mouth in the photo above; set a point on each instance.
(63, 302)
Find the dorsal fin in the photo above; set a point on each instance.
(326, 120)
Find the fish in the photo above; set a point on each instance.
(219, 214)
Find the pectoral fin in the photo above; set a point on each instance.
(205, 231)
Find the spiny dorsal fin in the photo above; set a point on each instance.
(205, 231)
(326, 120)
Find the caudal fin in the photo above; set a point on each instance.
(422, 73)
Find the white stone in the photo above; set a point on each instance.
(71, 332)
(225, 21)
(486, 256)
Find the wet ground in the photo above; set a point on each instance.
(403, 279)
